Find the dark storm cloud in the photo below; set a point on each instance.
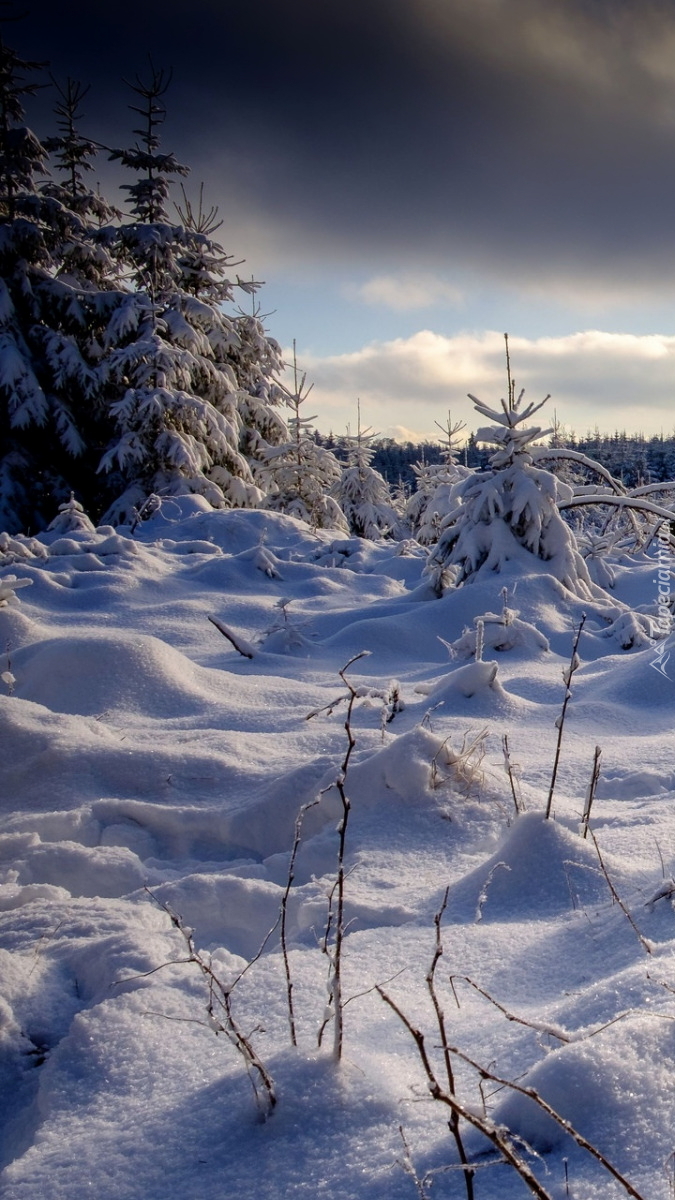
(534, 135)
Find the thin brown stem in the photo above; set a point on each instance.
(494, 1133)
(616, 897)
(538, 1027)
(592, 788)
(567, 678)
(453, 1123)
(284, 913)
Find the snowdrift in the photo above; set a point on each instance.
(151, 779)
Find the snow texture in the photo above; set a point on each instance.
(148, 768)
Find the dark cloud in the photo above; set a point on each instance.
(533, 137)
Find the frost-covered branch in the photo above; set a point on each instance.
(575, 663)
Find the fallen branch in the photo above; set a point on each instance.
(240, 644)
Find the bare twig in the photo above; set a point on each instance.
(534, 1095)
(500, 1136)
(483, 894)
(284, 911)
(538, 1027)
(567, 679)
(328, 709)
(406, 1164)
(494, 1133)
(453, 1123)
(342, 830)
(508, 767)
(616, 897)
(373, 988)
(219, 1009)
(240, 644)
(335, 924)
(592, 788)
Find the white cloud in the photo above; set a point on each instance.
(614, 380)
(406, 292)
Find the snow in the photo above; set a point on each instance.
(147, 767)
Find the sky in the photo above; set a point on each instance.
(412, 179)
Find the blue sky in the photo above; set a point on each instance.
(412, 178)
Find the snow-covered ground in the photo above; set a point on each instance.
(142, 756)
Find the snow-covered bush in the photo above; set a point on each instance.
(362, 493)
(71, 519)
(498, 631)
(436, 486)
(20, 549)
(300, 472)
(9, 586)
(509, 512)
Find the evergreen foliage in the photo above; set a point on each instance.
(300, 471)
(436, 486)
(361, 492)
(121, 373)
(48, 370)
(508, 512)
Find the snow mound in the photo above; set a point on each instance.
(92, 674)
(225, 910)
(634, 784)
(637, 682)
(541, 870)
(403, 768)
(79, 870)
(475, 680)
(601, 1086)
(500, 634)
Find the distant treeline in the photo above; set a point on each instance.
(634, 459)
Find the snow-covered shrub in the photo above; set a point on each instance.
(300, 473)
(71, 519)
(596, 549)
(20, 549)
(362, 493)
(9, 586)
(509, 512)
(500, 631)
(632, 630)
(436, 485)
(475, 679)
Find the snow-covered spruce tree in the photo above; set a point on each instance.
(241, 347)
(361, 492)
(256, 360)
(300, 472)
(177, 410)
(71, 519)
(508, 512)
(436, 484)
(49, 379)
(92, 286)
(83, 256)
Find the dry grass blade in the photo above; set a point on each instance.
(646, 946)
